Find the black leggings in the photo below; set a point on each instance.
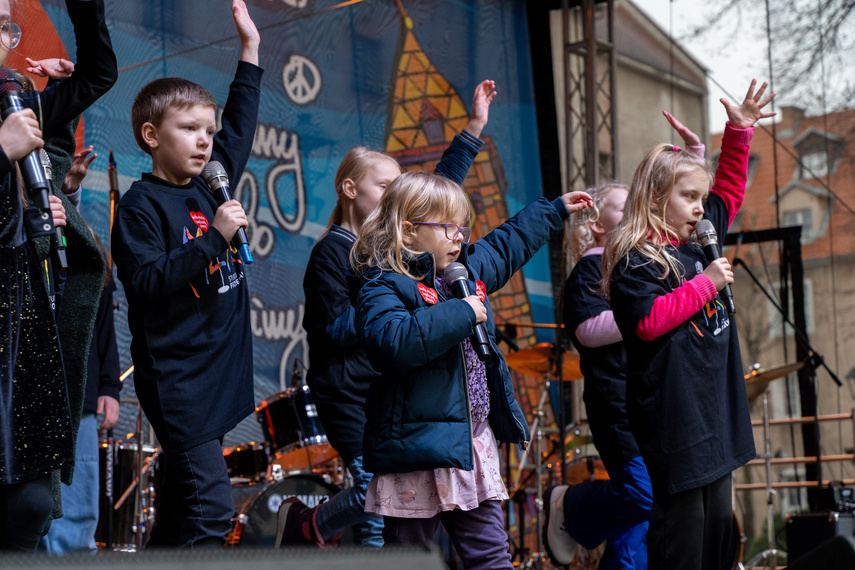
(25, 510)
(692, 530)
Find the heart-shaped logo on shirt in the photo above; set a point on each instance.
(200, 220)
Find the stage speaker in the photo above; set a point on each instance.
(809, 530)
(837, 553)
(343, 558)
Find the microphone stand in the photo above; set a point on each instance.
(814, 361)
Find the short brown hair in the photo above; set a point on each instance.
(161, 95)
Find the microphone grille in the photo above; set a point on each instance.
(9, 82)
(212, 170)
(704, 227)
(455, 271)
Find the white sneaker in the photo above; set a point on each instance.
(560, 546)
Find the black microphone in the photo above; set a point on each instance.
(218, 181)
(456, 275)
(58, 242)
(30, 165)
(708, 239)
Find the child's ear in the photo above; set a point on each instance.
(408, 234)
(149, 134)
(598, 228)
(348, 188)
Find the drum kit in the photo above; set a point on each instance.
(296, 460)
(580, 462)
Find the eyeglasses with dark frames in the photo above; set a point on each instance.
(451, 230)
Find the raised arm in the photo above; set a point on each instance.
(94, 73)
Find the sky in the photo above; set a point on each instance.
(733, 52)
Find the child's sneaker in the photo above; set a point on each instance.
(298, 524)
(560, 546)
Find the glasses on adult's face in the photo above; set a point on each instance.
(10, 34)
(451, 230)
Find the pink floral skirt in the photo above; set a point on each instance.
(423, 494)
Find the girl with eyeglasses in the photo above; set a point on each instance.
(38, 410)
(434, 416)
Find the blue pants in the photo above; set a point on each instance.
(75, 531)
(617, 511)
(347, 508)
(194, 505)
(478, 535)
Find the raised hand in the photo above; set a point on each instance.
(249, 36)
(689, 137)
(751, 110)
(56, 68)
(78, 171)
(484, 94)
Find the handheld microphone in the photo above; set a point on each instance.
(58, 242)
(30, 165)
(218, 181)
(456, 275)
(708, 239)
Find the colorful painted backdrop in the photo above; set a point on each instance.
(395, 76)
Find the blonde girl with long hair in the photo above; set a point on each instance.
(340, 373)
(685, 396)
(436, 412)
(624, 500)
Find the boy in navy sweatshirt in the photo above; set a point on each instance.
(188, 303)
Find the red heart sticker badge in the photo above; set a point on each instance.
(200, 220)
(481, 290)
(428, 294)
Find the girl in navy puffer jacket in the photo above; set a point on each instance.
(434, 416)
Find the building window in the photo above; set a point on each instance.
(814, 164)
(774, 318)
(802, 217)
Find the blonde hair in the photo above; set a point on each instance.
(413, 196)
(643, 227)
(581, 235)
(355, 165)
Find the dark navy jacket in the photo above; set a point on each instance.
(418, 412)
(339, 372)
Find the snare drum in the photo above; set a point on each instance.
(291, 426)
(256, 522)
(246, 461)
(123, 455)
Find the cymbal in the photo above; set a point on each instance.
(540, 359)
(757, 380)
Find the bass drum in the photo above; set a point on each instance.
(256, 522)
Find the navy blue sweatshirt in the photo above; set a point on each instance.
(188, 300)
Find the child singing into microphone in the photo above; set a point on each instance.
(685, 392)
(37, 405)
(434, 416)
(188, 302)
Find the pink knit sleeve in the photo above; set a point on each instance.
(731, 176)
(674, 308)
(599, 331)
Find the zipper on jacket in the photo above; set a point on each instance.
(462, 353)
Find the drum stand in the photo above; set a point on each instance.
(144, 497)
(539, 557)
(771, 553)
